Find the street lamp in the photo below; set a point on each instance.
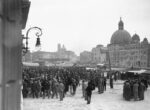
(38, 43)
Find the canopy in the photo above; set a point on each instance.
(147, 72)
(30, 64)
(88, 68)
(138, 71)
(66, 64)
(118, 69)
(100, 64)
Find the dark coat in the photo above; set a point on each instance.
(127, 91)
(111, 82)
(89, 88)
(141, 91)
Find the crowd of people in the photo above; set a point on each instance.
(48, 82)
(134, 89)
(56, 82)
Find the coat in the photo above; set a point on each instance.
(127, 91)
(135, 88)
(61, 87)
(135, 91)
(141, 91)
(89, 88)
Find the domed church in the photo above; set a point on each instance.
(121, 36)
(126, 51)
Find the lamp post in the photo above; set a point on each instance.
(38, 43)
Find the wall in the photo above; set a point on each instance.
(10, 54)
(1, 70)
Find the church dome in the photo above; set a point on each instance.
(120, 36)
(135, 38)
(145, 41)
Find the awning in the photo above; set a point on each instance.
(88, 68)
(100, 64)
(118, 69)
(137, 71)
(147, 72)
(30, 64)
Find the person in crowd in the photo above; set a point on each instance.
(135, 90)
(74, 86)
(111, 82)
(38, 87)
(89, 90)
(105, 81)
(71, 86)
(145, 82)
(66, 83)
(141, 91)
(45, 87)
(115, 76)
(85, 95)
(84, 86)
(54, 88)
(25, 89)
(34, 89)
(50, 87)
(131, 86)
(100, 85)
(127, 91)
(61, 88)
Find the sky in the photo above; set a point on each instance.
(82, 24)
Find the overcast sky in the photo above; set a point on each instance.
(82, 24)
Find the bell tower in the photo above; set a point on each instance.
(120, 24)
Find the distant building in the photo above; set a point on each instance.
(60, 56)
(126, 51)
(85, 57)
(99, 54)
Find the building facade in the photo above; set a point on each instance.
(126, 51)
(61, 55)
(99, 54)
(86, 57)
(96, 56)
